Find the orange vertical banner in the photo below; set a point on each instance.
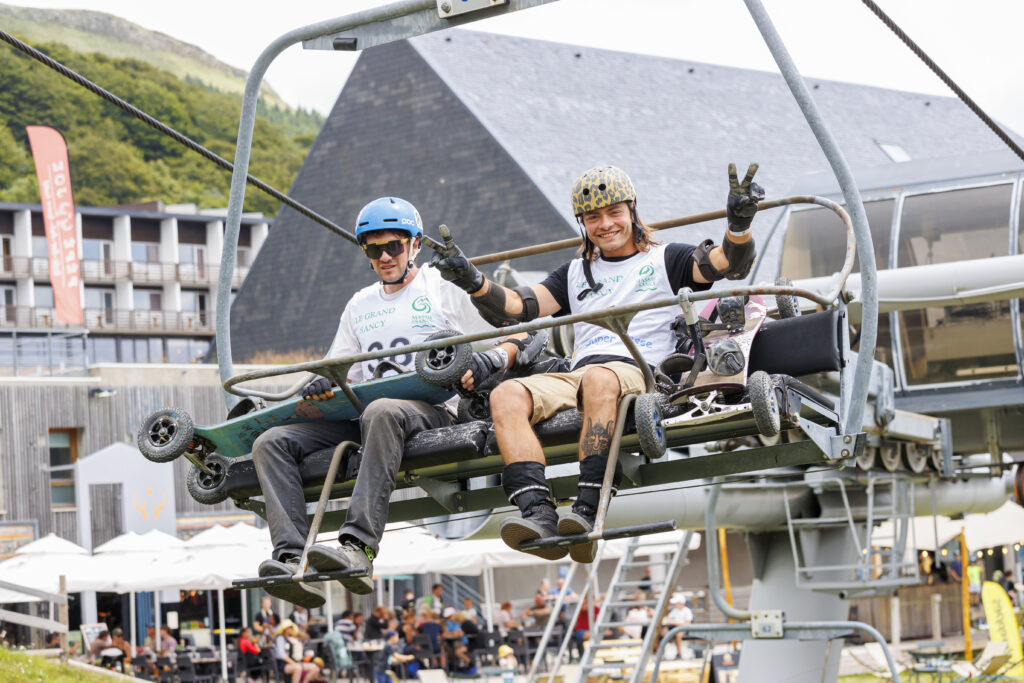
(53, 171)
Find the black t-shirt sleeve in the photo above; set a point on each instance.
(679, 264)
(557, 282)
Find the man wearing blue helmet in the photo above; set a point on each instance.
(405, 307)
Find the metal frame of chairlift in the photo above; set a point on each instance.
(410, 18)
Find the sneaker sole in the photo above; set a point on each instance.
(297, 594)
(584, 552)
(360, 585)
(516, 532)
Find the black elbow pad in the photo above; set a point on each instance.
(740, 257)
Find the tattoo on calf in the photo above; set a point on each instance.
(597, 438)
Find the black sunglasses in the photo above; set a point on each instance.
(393, 248)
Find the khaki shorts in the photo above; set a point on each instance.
(558, 391)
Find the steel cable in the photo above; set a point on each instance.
(950, 83)
(167, 130)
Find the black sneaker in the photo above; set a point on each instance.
(540, 521)
(348, 555)
(579, 521)
(308, 595)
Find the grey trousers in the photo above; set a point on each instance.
(382, 429)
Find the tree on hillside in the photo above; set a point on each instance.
(115, 158)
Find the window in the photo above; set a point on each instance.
(894, 151)
(63, 454)
(145, 252)
(815, 243)
(192, 301)
(142, 350)
(243, 257)
(101, 349)
(148, 299)
(99, 298)
(192, 254)
(39, 247)
(956, 343)
(44, 296)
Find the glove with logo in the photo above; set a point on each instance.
(486, 363)
(454, 266)
(741, 205)
(318, 390)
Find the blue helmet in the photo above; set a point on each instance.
(389, 213)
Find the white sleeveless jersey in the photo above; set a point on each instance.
(373, 320)
(634, 280)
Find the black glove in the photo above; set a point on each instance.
(319, 386)
(741, 205)
(454, 266)
(485, 364)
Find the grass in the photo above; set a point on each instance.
(15, 666)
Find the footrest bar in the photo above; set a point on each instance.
(606, 535)
(308, 577)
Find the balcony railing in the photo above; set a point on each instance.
(111, 320)
(94, 271)
(14, 266)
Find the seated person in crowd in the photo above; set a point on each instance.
(452, 623)
(468, 608)
(266, 618)
(249, 649)
(679, 615)
(289, 652)
(463, 662)
(100, 642)
(540, 612)
(346, 626)
(507, 658)
(503, 620)
(300, 615)
(168, 645)
(432, 628)
(389, 656)
(377, 624)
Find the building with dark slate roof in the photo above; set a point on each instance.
(486, 133)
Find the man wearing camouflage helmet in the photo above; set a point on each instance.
(619, 264)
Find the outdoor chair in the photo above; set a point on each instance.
(140, 668)
(166, 671)
(487, 647)
(337, 669)
(425, 651)
(186, 672)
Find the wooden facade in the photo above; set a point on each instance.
(31, 408)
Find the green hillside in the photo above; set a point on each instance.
(116, 159)
(87, 31)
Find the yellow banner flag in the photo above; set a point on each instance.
(1002, 626)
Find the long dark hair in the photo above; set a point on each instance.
(641, 236)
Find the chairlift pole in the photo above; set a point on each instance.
(857, 396)
(375, 26)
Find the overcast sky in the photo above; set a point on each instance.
(977, 42)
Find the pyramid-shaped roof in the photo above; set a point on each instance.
(487, 132)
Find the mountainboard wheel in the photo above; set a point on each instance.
(165, 434)
(786, 303)
(445, 366)
(915, 457)
(890, 457)
(472, 409)
(866, 460)
(764, 403)
(648, 411)
(209, 488)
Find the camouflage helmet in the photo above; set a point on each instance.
(599, 187)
